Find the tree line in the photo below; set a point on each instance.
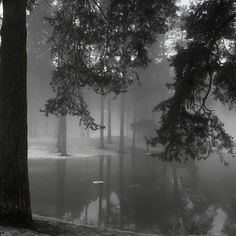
(101, 45)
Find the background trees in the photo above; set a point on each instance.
(100, 45)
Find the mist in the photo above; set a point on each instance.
(130, 116)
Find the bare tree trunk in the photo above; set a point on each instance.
(61, 136)
(109, 120)
(14, 184)
(81, 131)
(122, 121)
(102, 123)
(64, 137)
(134, 138)
(87, 133)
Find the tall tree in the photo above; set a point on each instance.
(14, 184)
(14, 194)
(61, 136)
(102, 122)
(204, 68)
(106, 44)
(109, 134)
(122, 123)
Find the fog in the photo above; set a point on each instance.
(94, 183)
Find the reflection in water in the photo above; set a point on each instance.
(61, 177)
(164, 180)
(121, 195)
(108, 190)
(101, 162)
(160, 197)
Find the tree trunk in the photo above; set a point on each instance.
(102, 123)
(134, 128)
(87, 133)
(61, 136)
(81, 131)
(14, 184)
(122, 124)
(109, 120)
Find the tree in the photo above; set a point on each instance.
(14, 194)
(61, 136)
(122, 123)
(14, 184)
(108, 43)
(205, 68)
(109, 134)
(102, 123)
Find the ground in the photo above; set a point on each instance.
(44, 147)
(40, 148)
(45, 226)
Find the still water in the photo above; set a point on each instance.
(128, 191)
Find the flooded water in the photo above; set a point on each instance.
(128, 191)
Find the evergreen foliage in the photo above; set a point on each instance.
(100, 44)
(204, 68)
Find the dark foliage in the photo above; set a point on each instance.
(100, 45)
(190, 129)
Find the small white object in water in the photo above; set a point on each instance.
(98, 182)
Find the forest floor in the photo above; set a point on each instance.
(45, 226)
(42, 147)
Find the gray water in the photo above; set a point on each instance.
(129, 191)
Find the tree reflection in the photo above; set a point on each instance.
(61, 178)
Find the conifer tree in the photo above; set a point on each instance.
(101, 43)
(204, 68)
(14, 184)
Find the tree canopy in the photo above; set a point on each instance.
(204, 68)
(100, 44)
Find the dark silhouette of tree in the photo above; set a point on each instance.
(102, 122)
(204, 68)
(14, 184)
